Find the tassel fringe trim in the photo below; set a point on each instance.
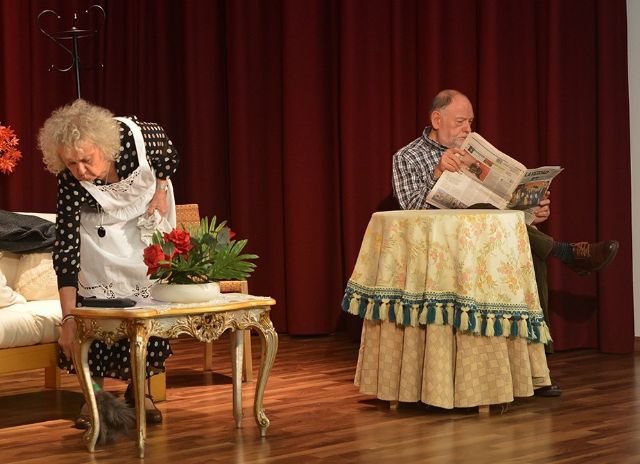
(463, 314)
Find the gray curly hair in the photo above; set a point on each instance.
(77, 122)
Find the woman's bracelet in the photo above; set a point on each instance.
(65, 319)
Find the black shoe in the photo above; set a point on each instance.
(549, 391)
(591, 257)
(82, 422)
(154, 416)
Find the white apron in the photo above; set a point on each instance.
(112, 266)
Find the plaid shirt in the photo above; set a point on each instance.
(413, 168)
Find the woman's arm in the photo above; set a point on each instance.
(164, 159)
(66, 249)
(68, 328)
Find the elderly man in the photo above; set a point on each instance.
(417, 167)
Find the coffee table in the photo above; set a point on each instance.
(203, 321)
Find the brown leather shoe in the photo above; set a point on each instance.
(549, 391)
(591, 257)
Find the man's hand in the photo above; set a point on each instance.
(543, 210)
(451, 160)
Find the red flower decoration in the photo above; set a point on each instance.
(9, 153)
(180, 239)
(153, 254)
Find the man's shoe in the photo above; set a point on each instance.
(591, 257)
(549, 391)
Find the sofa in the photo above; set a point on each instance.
(29, 314)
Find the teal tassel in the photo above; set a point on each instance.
(456, 319)
(375, 313)
(346, 301)
(497, 327)
(406, 314)
(362, 307)
(514, 327)
(431, 314)
(472, 320)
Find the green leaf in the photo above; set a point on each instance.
(213, 256)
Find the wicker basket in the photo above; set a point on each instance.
(187, 216)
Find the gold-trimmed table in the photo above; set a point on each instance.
(204, 321)
(450, 306)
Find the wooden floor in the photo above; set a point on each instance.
(317, 415)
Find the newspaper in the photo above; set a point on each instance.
(491, 177)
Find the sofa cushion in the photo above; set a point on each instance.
(7, 295)
(35, 277)
(8, 266)
(29, 323)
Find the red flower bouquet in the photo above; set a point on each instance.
(202, 254)
(9, 153)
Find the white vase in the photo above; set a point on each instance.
(185, 293)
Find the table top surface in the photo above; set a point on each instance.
(151, 309)
(416, 213)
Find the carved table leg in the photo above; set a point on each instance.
(269, 342)
(236, 366)
(139, 336)
(80, 355)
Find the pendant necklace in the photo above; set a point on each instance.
(101, 230)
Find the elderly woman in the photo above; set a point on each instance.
(111, 172)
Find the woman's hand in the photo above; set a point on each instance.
(68, 329)
(159, 200)
(67, 332)
(543, 210)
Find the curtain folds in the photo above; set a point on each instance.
(287, 113)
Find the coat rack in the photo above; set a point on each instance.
(74, 34)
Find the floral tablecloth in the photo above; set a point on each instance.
(451, 309)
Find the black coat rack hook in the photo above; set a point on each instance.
(73, 34)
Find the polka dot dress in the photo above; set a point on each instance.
(72, 197)
(114, 361)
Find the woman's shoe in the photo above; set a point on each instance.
(83, 421)
(152, 413)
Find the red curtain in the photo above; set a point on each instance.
(287, 113)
